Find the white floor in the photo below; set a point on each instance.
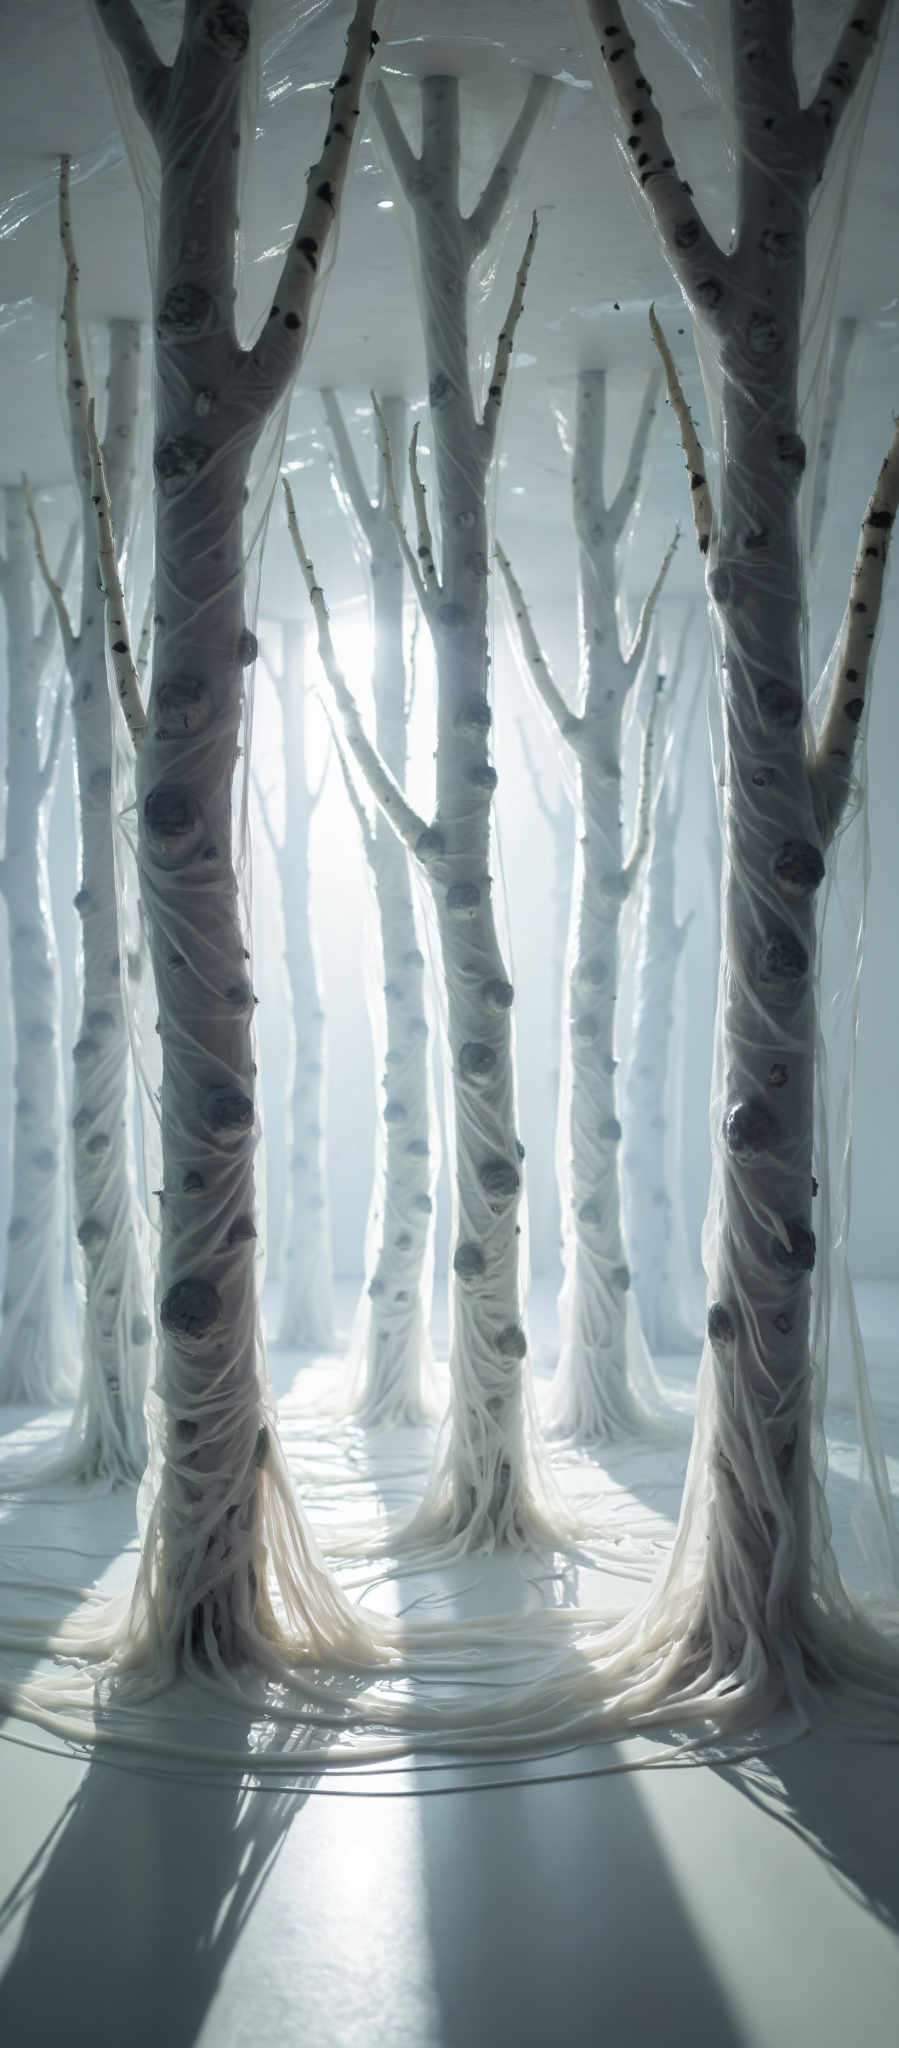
(752, 1906)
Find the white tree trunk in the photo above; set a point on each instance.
(36, 1363)
(391, 1335)
(604, 1386)
(307, 1305)
(765, 1611)
(559, 819)
(109, 1431)
(223, 1522)
(652, 1235)
(478, 1492)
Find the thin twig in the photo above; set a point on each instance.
(700, 495)
(409, 556)
(837, 740)
(126, 677)
(406, 823)
(568, 724)
(640, 642)
(506, 340)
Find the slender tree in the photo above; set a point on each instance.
(597, 1393)
(656, 1238)
(763, 1608)
(558, 818)
(392, 1331)
(109, 1434)
(480, 1492)
(36, 1362)
(307, 1299)
(223, 1518)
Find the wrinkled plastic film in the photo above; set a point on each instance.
(478, 1494)
(765, 1582)
(36, 1363)
(203, 1503)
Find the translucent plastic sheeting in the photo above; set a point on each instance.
(606, 1385)
(455, 153)
(531, 1681)
(207, 1519)
(389, 1377)
(753, 1553)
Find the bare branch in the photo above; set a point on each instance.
(568, 724)
(643, 815)
(148, 77)
(640, 640)
(349, 474)
(485, 215)
(698, 263)
(126, 678)
(425, 548)
(700, 495)
(626, 496)
(843, 341)
(841, 75)
(54, 740)
(77, 388)
(67, 632)
(45, 630)
(832, 766)
(271, 364)
(369, 842)
(404, 160)
(506, 340)
(406, 823)
(409, 557)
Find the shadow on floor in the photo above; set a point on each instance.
(133, 1906)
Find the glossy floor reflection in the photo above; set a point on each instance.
(753, 1906)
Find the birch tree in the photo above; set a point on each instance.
(656, 1238)
(223, 1517)
(36, 1363)
(596, 1394)
(558, 818)
(392, 1332)
(480, 1492)
(307, 1300)
(765, 1608)
(109, 1433)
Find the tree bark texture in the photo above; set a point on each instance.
(109, 1431)
(391, 1336)
(479, 1489)
(36, 1362)
(767, 1594)
(307, 1302)
(221, 1485)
